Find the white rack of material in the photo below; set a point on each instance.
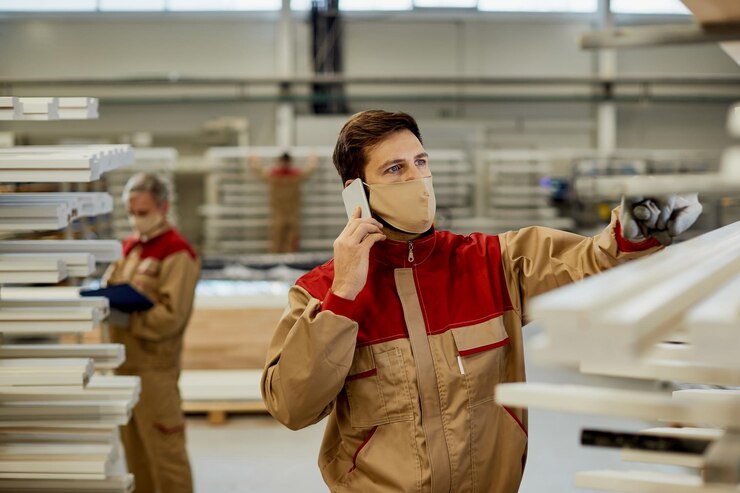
(51, 164)
(10, 108)
(518, 192)
(52, 316)
(40, 108)
(101, 250)
(237, 212)
(58, 421)
(616, 323)
(104, 356)
(41, 371)
(219, 392)
(80, 204)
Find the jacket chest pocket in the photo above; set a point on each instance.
(481, 357)
(377, 388)
(146, 276)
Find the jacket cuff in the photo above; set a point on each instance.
(338, 305)
(626, 246)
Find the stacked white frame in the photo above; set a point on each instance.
(58, 419)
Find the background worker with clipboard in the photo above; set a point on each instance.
(159, 267)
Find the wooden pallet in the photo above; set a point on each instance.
(218, 411)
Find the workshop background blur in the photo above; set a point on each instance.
(519, 103)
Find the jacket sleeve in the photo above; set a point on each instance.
(179, 275)
(538, 259)
(308, 359)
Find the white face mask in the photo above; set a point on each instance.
(145, 224)
(408, 205)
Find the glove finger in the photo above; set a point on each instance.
(652, 221)
(666, 211)
(684, 218)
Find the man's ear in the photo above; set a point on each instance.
(348, 182)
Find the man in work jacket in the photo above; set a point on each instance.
(402, 337)
(160, 263)
(285, 200)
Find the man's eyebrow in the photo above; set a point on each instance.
(421, 155)
(392, 161)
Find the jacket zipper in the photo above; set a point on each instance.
(411, 252)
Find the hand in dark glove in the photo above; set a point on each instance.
(662, 218)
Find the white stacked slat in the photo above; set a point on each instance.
(517, 196)
(44, 372)
(10, 108)
(101, 250)
(78, 108)
(57, 420)
(21, 216)
(52, 316)
(613, 324)
(81, 204)
(104, 356)
(237, 212)
(56, 461)
(45, 164)
(726, 181)
(40, 108)
(112, 484)
(35, 268)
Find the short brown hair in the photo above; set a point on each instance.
(361, 133)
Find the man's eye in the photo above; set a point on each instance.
(421, 162)
(393, 169)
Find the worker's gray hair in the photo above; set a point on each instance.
(157, 186)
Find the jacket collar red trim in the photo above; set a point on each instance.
(396, 253)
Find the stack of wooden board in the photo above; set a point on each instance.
(673, 316)
(519, 195)
(58, 418)
(237, 210)
(10, 108)
(51, 164)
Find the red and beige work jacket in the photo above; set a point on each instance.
(166, 269)
(406, 372)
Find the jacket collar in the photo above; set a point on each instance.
(158, 231)
(398, 253)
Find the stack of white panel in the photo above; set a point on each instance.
(39, 108)
(10, 108)
(51, 164)
(58, 419)
(674, 315)
(161, 161)
(519, 194)
(237, 210)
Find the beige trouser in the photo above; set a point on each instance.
(154, 439)
(284, 233)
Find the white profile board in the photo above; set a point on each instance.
(647, 481)
(46, 372)
(102, 250)
(87, 204)
(104, 356)
(116, 484)
(726, 181)
(617, 403)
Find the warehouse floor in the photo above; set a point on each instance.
(256, 454)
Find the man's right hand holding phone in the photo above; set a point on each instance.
(352, 254)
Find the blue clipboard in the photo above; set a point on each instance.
(122, 297)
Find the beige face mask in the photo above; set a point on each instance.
(408, 205)
(145, 224)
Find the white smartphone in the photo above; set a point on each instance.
(353, 196)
